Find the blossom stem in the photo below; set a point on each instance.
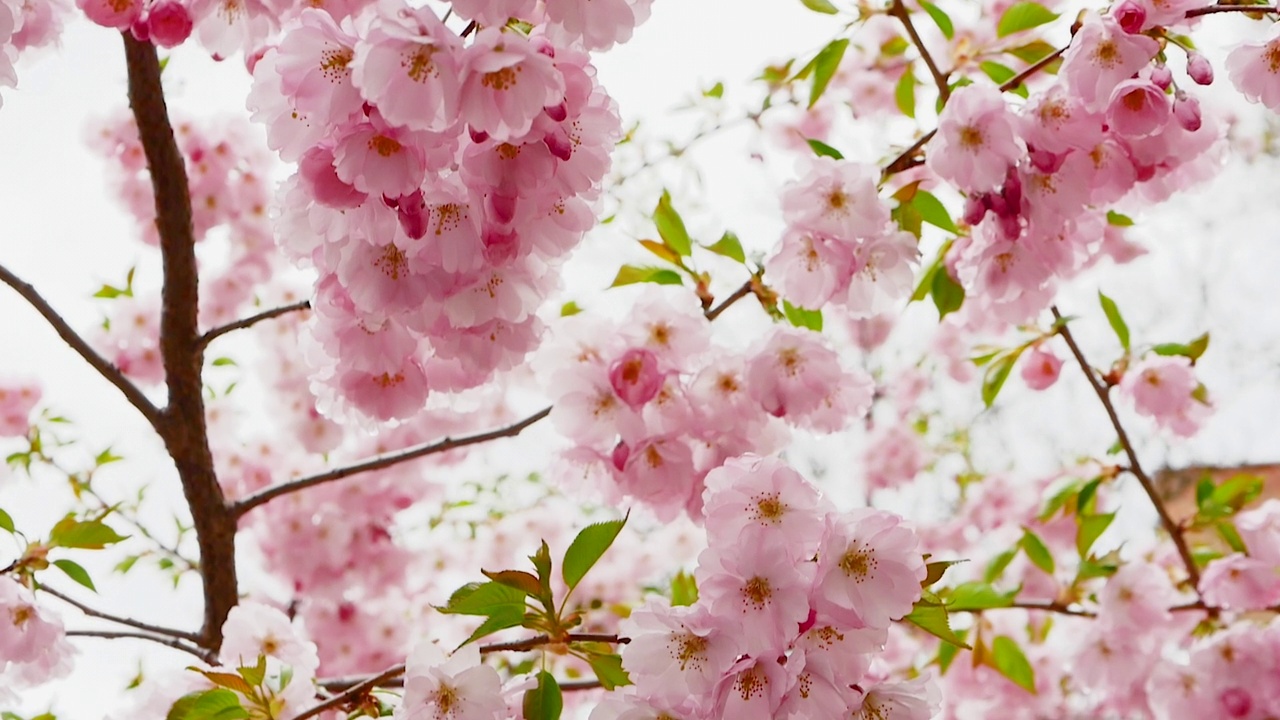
(741, 292)
(353, 692)
(217, 332)
(81, 346)
(540, 640)
(1214, 9)
(900, 11)
(138, 624)
(1103, 391)
(244, 505)
(205, 655)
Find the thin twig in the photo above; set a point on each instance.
(213, 334)
(538, 641)
(354, 692)
(1054, 607)
(112, 373)
(170, 632)
(1214, 9)
(205, 655)
(182, 423)
(743, 291)
(1103, 391)
(382, 461)
(900, 11)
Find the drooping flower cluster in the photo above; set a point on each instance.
(652, 406)
(33, 645)
(438, 181)
(795, 599)
(839, 246)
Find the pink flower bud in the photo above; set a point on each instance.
(1040, 369)
(1199, 69)
(635, 377)
(1162, 76)
(1130, 15)
(1186, 110)
(975, 208)
(117, 14)
(170, 23)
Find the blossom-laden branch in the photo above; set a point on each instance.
(1103, 391)
(900, 11)
(137, 624)
(112, 373)
(382, 461)
(199, 652)
(182, 421)
(221, 330)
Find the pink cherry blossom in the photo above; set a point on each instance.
(677, 653)
(599, 24)
(33, 645)
(835, 198)
(762, 585)
(1040, 368)
(408, 64)
(1101, 56)
(763, 497)
(1255, 70)
(1138, 108)
(458, 686)
(254, 629)
(635, 377)
(810, 269)
(506, 84)
(976, 142)
(169, 23)
(869, 570)
(792, 374)
(117, 14)
(1237, 582)
(1166, 389)
(17, 400)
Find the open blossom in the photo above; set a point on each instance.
(677, 653)
(1040, 368)
(763, 497)
(17, 399)
(1259, 527)
(597, 23)
(1166, 389)
(760, 584)
(976, 143)
(117, 14)
(1138, 108)
(869, 569)
(1101, 56)
(506, 84)
(1255, 70)
(810, 269)
(836, 198)
(458, 687)
(917, 699)
(254, 629)
(635, 377)
(33, 645)
(1237, 582)
(794, 375)
(408, 64)
(314, 63)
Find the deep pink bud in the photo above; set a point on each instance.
(1130, 16)
(140, 30)
(1010, 226)
(1199, 69)
(170, 23)
(1186, 110)
(1162, 76)
(635, 377)
(619, 455)
(557, 112)
(1236, 702)
(975, 208)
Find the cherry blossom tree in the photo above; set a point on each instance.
(365, 288)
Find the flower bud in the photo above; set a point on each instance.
(1130, 15)
(1186, 110)
(975, 208)
(1199, 69)
(1162, 76)
(169, 22)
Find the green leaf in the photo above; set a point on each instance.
(933, 571)
(87, 534)
(1084, 501)
(506, 616)
(933, 211)
(978, 596)
(631, 274)
(941, 19)
(684, 589)
(821, 6)
(255, 674)
(75, 572)
(1000, 74)
(542, 564)
(106, 457)
(1091, 527)
(1116, 319)
(933, 620)
(904, 94)
(1033, 52)
(1227, 531)
(6, 522)
(947, 294)
(569, 308)
(947, 653)
(1204, 491)
(1023, 16)
(608, 670)
(822, 149)
(729, 246)
(824, 68)
(998, 564)
(1007, 658)
(1192, 350)
(671, 226)
(545, 701)
(219, 362)
(997, 372)
(232, 682)
(483, 599)
(216, 704)
(801, 317)
(587, 548)
(1115, 218)
(518, 579)
(1037, 552)
(716, 91)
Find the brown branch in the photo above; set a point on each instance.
(900, 11)
(1214, 9)
(746, 289)
(82, 347)
(538, 641)
(382, 461)
(575, 685)
(182, 421)
(205, 655)
(217, 332)
(158, 630)
(352, 693)
(1054, 607)
(1103, 391)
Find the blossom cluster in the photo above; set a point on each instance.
(653, 406)
(27, 26)
(794, 601)
(33, 645)
(438, 183)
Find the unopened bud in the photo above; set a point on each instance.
(1199, 69)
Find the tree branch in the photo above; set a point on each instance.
(1214, 9)
(538, 641)
(382, 461)
(205, 655)
(899, 10)
(353, 692)
(746, 289)
(158, 630)
(82, 347)
(1103, 391)
(182, 421)
(217, 332)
